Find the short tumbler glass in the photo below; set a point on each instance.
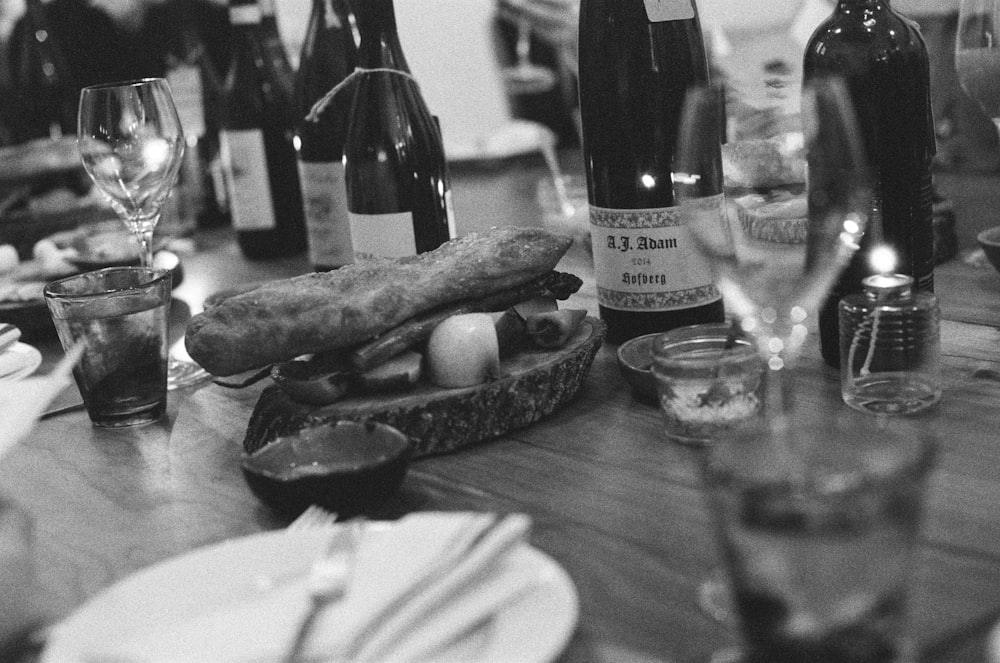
(121, 314)
(708, 378)
(819, 540)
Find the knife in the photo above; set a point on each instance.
(72, 407)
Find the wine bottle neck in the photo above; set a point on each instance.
(330, 14)
(870, 5)
(380, 47)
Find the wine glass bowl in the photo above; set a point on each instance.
(131, 144)
(977, 54)
(793, 210)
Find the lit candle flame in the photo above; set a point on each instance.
(883, 260)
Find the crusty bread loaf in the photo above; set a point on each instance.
(780, 217)
(284, 319)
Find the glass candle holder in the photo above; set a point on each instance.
(890, 347)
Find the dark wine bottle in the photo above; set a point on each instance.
(883, 59)
(637, 60)
(47, 94)
(274, 46)
(329, 55)
(194, 85)
(398, 190)
(257, 145)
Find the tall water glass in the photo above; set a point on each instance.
(820, 556)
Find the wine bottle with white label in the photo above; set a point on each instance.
(257, 146)
(398, 190)
(329, 55)
(274, 46)
(194, 84)
(637, 60)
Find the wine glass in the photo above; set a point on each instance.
(132, 145)
(526, 77)
(977, 54)
(775, 247)
(775, 251)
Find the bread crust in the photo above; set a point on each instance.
(761, 163)
(286, 318)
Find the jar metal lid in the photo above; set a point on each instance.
(887, 284)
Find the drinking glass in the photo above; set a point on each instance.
(525, 76)
(120, 314)
(977, 54)
(132, 145)
(775, 250)
(820, 559)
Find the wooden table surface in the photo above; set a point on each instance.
(613, 502)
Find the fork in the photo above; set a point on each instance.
(313, 516)
(329, 574)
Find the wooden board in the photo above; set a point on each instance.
(534, 383)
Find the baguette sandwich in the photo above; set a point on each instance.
(375, 309)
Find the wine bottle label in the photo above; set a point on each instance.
(644, 259)
(669, 10)
(324, 195)
(185, 87)
(249, 187)
(389, 235)
(244, 15)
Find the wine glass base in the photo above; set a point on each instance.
(728, 655)
(529, 79)
(714, 598)
(183, 374)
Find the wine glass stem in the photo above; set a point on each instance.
(523, 46)
(145, 238)
(776, 397)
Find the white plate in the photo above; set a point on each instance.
(534, 629)
(18, 361)
(516, 138)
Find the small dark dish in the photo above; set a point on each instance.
(635, 360)
(989, 240)
(343, 466)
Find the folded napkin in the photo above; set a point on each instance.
(421, 591)
(23, 401)
(9, 335)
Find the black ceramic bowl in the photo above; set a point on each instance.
(345, 467)
(635, 361)
(989, 240)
